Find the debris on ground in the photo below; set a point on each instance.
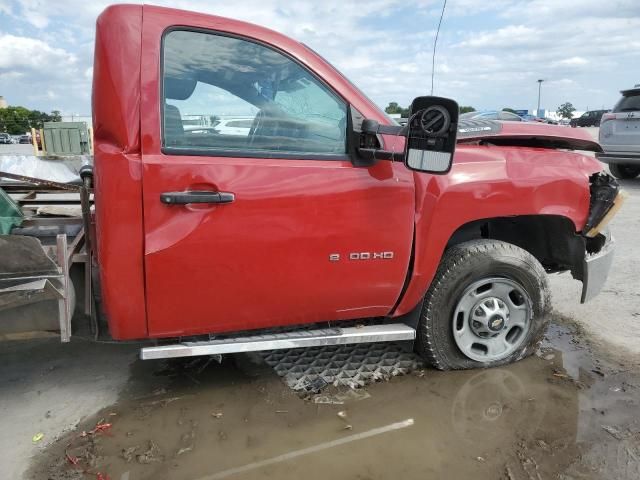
(129, 453)
(341, 398)
(152, 454)
(187, 441)
(163, 402)
(81, 451)
(543, 445)
(342, 415)
(314, 385)
(37, 437)
(528, 464)
(616, 433)
(101, 427)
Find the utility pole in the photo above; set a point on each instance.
(539, 89)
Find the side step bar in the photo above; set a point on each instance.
(298, 339)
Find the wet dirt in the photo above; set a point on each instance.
(565, 413)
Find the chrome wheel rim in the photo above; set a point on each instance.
(492, 319)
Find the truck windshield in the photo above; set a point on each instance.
(354, 86)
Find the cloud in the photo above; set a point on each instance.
(512, 36)
(40, 75)
(5, 7)
(24, 53)
(490, 54)
(572, 62)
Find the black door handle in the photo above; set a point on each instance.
(197, 196)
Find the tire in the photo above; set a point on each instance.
(491, 267)
(624, 171)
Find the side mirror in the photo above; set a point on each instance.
(431, 136)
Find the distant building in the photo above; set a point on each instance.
(3, 102)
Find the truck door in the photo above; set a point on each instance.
(267, 223)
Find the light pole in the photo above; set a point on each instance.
(539, 89)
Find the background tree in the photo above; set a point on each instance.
(20, 120)
(393, 107)
(566, 110)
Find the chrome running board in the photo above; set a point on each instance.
(278, 341)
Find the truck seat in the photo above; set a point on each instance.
(173, 128)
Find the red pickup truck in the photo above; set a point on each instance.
(321, 210)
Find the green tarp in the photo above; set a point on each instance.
(10, 213)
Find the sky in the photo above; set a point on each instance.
(490, 54)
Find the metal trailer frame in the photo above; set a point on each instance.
(65, 252)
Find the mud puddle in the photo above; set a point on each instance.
(564, 413)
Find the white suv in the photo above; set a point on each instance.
(620, 135)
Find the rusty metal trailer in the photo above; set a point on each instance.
(38, 255)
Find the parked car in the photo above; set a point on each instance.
(25, 139)
(590, 118)
(531, 118)
(620, 135)
(492, 115)
(235, 126)
(199, 130)
(5, 138)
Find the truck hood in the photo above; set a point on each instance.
(526, 134)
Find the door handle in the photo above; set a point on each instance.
(196, 196)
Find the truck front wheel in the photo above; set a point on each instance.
(488, 305)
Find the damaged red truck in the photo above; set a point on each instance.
(315, 218)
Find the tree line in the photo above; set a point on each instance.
(564, 111)
(393, 107)
(20, 120)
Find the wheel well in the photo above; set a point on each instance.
(549, 238)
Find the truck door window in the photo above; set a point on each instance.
(236, 97)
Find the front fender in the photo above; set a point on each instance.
(490, 182)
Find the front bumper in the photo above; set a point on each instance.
(596, 268)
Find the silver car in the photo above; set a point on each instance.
(620, 135)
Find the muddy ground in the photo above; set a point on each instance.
(564, 413)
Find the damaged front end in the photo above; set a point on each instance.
(606, 200)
